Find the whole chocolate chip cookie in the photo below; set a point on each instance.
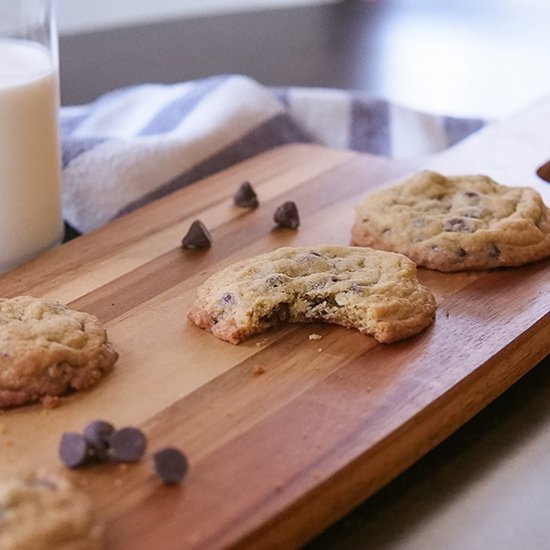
(456, 223)
(372, 291)
(47, 348)
(46, 513)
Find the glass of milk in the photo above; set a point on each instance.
(30, 162)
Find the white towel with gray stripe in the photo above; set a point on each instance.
(137, 144)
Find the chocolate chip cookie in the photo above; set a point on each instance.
(46, 513)
(47, 348)
(372, 291)
(456, 223)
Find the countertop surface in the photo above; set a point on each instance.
(487, 485)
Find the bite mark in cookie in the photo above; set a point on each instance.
(47, 348)
(375, 292)
(456, 223)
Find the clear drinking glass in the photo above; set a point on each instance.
(30, 161)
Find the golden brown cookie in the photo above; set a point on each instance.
(47, 348)
(46, 513)
(372, 291)
(456, 223)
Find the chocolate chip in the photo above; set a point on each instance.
(280, 314)
(227, 299)
(73, 450)
(461, 252)
(274, 280)
(287, 215)
(127, 444)
(543, 172)
(97, 433)
(170, 465)
(246, 197)
(456, 225)
(493, 250)
(386, 231)
(471, 194)
(197, 236)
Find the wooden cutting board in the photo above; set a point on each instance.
(275, 457)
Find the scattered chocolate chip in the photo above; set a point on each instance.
(246, 197)
(97, 433)
(73, 450)
(287, 215)
(197, 236)
(456, 225)
(461, 252)
(493, 250)
(471, 194)
(386, 231)
(170, 465)
(543, 171)
(128, 444)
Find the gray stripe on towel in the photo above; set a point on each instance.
(370, 126)
(171, 115)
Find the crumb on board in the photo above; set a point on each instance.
(320, 350)
(315, 336)
(257, 370)
(51, 401)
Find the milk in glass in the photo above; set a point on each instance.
(30, 172)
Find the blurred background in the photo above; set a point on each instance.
(481, 58)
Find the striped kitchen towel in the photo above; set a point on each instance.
(136, 144)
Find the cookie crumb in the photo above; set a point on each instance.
(257, 370)
(315, 336)
(51, 401)
(320, 350)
